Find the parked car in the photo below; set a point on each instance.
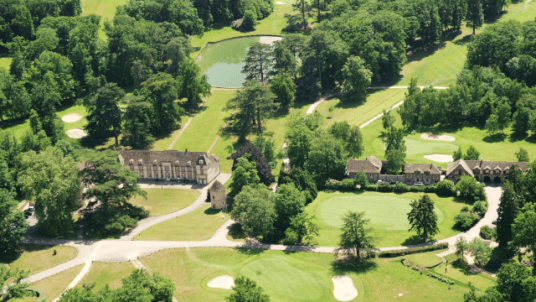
(420, 184)
(379, 181)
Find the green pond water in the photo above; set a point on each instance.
(222, 62)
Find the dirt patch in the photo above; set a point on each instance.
(440, 158)
(76, 133)
(71, 117)
(435, 137)
(225, 282)
(269, 40)
(344, 289)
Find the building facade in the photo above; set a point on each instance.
(425, 173)
(199, 167)
(371, 166)
(218, 198)
(483, 171)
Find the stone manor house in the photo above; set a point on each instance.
(200, 167)
(483, 171)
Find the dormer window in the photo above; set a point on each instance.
(427, 172)
(140, 162)
(417, 172)
(131, 162)
(188, 163)
(154, 163)
(201, 162)
(176, 163)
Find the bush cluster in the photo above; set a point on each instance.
(443, 188)
(466, 220)
(488, 233)
(441, 278)
(413, 265)
(414, 250)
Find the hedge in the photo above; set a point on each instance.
(413, 250)
(350, 185)
(40, 293)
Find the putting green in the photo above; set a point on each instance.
(277, 275)
(386, 213)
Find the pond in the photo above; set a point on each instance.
(222, 62)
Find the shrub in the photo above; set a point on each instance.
(465, 220)
(249, 21)
(361, 179)
(488, 233)
(480, 207)
(445, 187)
(401, 187)
(414, 250)
(469, 189)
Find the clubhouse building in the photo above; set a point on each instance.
(483, 171)
(199, 167)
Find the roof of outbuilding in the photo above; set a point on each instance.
(460, 162)
(376, 162)
(217, 187)
(366, 166)
(434, 169)
(482, 164)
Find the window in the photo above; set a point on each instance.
(476, 171)
(140, 162)
(154, 163)
(150, 176)
(459, 172)
(131, 162)
(486, 171)
(427, 172)
(201, 162)
(167, 168)
(417, 172)
(188, 163)
(505, 172)
(176, 164)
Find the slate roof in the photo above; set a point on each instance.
(367, 166)
(217, 187)
(168, 156)
(434, 169)
(483, 164)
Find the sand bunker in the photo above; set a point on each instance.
(225, 282)
(344, 289)
(269, 40)
(76, 133)
(440, 158)
(280, 2)
(71, 117)
(434, 137)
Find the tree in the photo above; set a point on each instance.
(256, 156)
(258, 62)
(104, 112)
(472, 153)
(461, 246)
(300, 140)
(16, 288)
(469, 188)
(160, 90)
(361, 179)
(139, 286)
(285, 61)
(446, 187)
(500, 118)
(422, 218)
(194, 85)
(283, 88)
(254, 209)
(251, 104)
(479, 250)
(244, 174)
(395, 151)
(388, 120)
(354, 144)
(137, 124)
(12, 225)
(458, 154)
(475, 14)
(510, 281)
(249, 21)
(326, 159)
(52, 180)
(289, 202)
(246, 290)
(355, 236)
(492, 124)
(522, 155)
(302, 180)
(110, 187)
(304, 9)
(356, 79)
(524, 232)
(301, 229)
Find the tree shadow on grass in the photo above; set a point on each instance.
(517, 137)
(413, 240)
(250, 251)
(495, 138)
(12, 257)
(342, 267)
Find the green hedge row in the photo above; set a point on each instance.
(39, 292)
(413, 250)
(441, 278)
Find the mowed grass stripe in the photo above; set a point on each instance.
(164, 201)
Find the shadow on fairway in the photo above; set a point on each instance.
(343, 267)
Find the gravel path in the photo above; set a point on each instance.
(180, 132)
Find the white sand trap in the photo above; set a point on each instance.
(269, 40)
(225, 282)
(434, 137)
(76, 133)
(344, 288)
(71, 117)
(280, 3)
(440, 158)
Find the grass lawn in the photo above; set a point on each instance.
(496, 148)
(37, 258)
(199, 225)
(481, 281)
(164, 201)
(102, 273)
(55, 285)
(5, 62)
(293, 276)
(425, 259)
(387, 214)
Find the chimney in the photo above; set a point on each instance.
(186, 151)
